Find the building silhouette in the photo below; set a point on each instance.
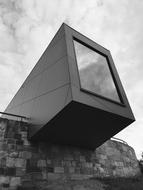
(73, 95)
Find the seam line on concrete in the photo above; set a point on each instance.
(45, 69)
(43, 94)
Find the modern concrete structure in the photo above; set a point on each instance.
(73, 95)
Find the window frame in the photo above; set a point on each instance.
(121, 102)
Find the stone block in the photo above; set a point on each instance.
(24, 128)
(57, 162)
(80, 176)
(82, 159)
(101, 170)
(5, 147)
(103, 157)
(102, 161)
(50, 169)
(114, 173)
(109, 151)
(33, 169)
(19, 142)
(44, 174)
(13, 154)
(4, 179)
(1, 171)
(36, 176)
(53, 177)
(97, 165)
(73, 163)
(26, 177)
(118, 164)
(11, 141)
(10, 162)
(15, 181)
(3, 162)
(125, 148)
(20, 162)
(27, 185)
(71, 170)
(5, 186)
(68, 157)
(25, 154)
(10, 171)
(126, 159)
(41, 163)
(115, 157)
(20, 171)
(49, 162)
(26, 142)
(67, 163)
(3, 154)
(58, 170)
(88, 164)
(121, 164)
(17, 136)
(24, 134)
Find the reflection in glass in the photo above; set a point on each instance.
(95, 75)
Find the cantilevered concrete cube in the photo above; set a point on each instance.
(73, 95)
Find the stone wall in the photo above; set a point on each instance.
(27, 165)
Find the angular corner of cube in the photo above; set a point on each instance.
(73, 95)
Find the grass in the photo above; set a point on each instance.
(123, 183)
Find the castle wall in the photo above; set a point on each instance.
(27, 165)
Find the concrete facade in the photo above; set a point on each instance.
(59, 108)
(28, 165)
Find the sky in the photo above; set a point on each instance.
(28, 26)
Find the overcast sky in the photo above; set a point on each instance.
(27, 27)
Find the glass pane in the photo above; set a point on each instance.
(95, 75)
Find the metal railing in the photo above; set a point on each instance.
(14, 115)
(119, 140)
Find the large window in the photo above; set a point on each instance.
(94, 72)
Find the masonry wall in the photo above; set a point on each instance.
(37, 165)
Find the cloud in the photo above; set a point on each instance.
(27, 27)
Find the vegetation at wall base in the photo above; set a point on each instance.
(134, 183)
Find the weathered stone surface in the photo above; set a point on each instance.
(19, 162)
(71, 170)
(59, 169)
(25, 154)
(20, 171)
(15, 181)
(4, 179)
(10, 162)
(10, 171)
(39, 164)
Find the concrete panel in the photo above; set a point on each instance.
(17, 99)
(26, 108)
(59, 34)
(68, 98)
(49, 57)
(54, 77)
(30, 88)
(47, 106)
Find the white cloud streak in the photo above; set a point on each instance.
(27, 27)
